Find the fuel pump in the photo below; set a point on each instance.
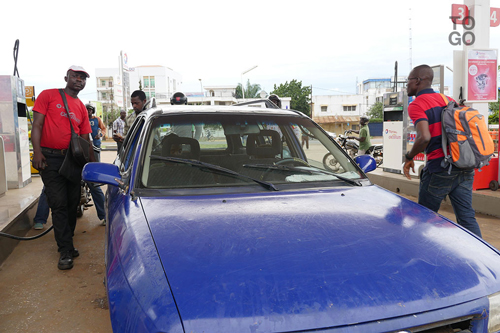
(14, 131)
(394, 130)
(399, 134)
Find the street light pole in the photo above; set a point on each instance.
(202, 94)
(242, 87)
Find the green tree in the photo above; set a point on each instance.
(493, 118)
(376, 113)
(251, 91)
(301, 96)
(112, 116)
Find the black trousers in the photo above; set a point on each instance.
(63, 197)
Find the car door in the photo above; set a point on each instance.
(118, 198)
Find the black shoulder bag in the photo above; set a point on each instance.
(78, 152)
(78, 145)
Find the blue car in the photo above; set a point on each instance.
(220, 221)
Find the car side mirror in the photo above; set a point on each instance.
(103, 173)
(366, 163)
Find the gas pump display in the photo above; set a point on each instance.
(399, 134)
(395, 130)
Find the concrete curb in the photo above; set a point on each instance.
(19, 226)
(484, 201)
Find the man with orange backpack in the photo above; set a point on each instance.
(436, 181)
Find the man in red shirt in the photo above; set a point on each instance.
(436, 181)
(51, 136)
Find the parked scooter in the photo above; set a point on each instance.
(352, 147)
(85, 196)
(85, 199)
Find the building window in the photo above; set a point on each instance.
(103, 95)
(103, 83)
(110, 83)
(349, 107)
(149, 81)
(324, 108)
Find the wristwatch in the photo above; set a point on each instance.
(408, 157)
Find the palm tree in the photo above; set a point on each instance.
(251, 90)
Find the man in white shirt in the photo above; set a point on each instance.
(118, 129)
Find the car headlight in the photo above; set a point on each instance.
(494, 317)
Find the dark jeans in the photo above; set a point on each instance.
(98, 197)
(43, 210)
(458, 186)
(63, 197)
(305, 139)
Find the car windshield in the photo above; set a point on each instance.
(221, 149)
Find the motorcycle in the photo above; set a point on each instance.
(85, 199)
(352, 147)
(85, 195)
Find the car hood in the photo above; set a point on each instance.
(304, 260)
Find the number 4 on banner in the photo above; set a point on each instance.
(494, 17)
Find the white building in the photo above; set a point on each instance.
(109, 88)
(156, 81)
(337, 113)
(114, 90)
(225, 95)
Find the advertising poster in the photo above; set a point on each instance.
(482, 76)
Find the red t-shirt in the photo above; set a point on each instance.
(56, 132)
(428, 106)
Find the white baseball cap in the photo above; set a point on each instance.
(78, 69)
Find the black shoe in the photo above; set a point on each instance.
(66, 260)
(75, 253)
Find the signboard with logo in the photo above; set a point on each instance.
(481, 81)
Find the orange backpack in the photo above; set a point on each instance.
(465, 133)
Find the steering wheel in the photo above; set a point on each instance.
(292, 160)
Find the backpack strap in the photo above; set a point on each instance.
(444, 138)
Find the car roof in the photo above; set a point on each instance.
(184, 109)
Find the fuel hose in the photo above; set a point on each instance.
(3, 234)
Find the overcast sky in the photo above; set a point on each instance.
(328, 44)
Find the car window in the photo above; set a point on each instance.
(129, 150)
(182, 151)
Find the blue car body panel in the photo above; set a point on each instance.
(138, 291)
(238, 260)
(335, 256)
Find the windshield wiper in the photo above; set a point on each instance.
(295, 169)
(213, 167)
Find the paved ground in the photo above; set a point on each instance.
(37, 297)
